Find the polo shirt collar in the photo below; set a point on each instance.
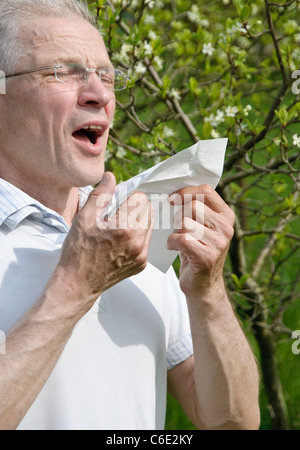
(16, 205)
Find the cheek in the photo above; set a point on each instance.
(111, 109)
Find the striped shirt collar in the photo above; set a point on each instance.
(16, 205)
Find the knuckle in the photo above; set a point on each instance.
(229, 231)
(223, 243)
(141, 262)
(137, 249)
(125, 234)
(206, 189)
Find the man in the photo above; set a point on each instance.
(93, 332)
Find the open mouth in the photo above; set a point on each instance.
(89, 134)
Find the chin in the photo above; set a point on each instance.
(88, 178)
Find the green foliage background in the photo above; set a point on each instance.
(226, 68)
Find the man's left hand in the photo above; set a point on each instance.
(202, 237)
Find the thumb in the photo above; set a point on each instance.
(102, 194)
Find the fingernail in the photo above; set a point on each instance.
(105, 179)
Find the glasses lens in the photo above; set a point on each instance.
(75, 76)
(121, 80)
(107, 77)
(113, 79)
(71, 73)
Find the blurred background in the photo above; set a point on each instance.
(227, 68)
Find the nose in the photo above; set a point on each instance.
(94, 93)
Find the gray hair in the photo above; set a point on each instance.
(13, 13)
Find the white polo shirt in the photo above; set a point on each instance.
(112, 372)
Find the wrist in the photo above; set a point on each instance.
(67, 296)
(209, 300)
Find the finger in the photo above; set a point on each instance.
(202, 214)
(136, 212)
(206, 194)
(207, 251)
(194, 210)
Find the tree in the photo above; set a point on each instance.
(202, 70)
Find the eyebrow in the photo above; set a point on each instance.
(79, 61)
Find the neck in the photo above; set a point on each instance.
(62, 200)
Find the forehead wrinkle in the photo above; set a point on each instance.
(41, 45)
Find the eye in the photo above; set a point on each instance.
(107, 76)
(67, 72)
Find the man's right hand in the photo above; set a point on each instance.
(98, 254)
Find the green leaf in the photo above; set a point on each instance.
(245, 13)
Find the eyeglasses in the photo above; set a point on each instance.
(76, 75)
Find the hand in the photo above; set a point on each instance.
(99, 253)
(202, 238)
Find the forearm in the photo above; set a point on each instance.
(33, 348)
(225, 371)
(95, 256)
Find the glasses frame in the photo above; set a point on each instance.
(88, 70)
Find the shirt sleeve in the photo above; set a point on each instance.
(180, 346)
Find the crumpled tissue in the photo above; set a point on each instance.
(199, 164)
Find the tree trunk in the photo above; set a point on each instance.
(271, 378)
(257, 313)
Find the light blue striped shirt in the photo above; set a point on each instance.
(16, 205)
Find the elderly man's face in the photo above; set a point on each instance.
(43, 124)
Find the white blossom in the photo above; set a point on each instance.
(208, 49)
(238, 28)
(148, 49)
(158, 61)
(168, 132)
(246, 110)
(143, 49)
(277, 141)
(231, 111)
(204, 22)
(150, 146)
(193, 14)
(193, 17)
(296, 140)
(211, 119)
(139, 69)
(215, 134)
(149, 19)
(152, 35)
(220, 116)
(215, 120)
(150, 4)
(124, 53)
(175, 94)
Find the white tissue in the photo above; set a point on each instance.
(200, 164)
